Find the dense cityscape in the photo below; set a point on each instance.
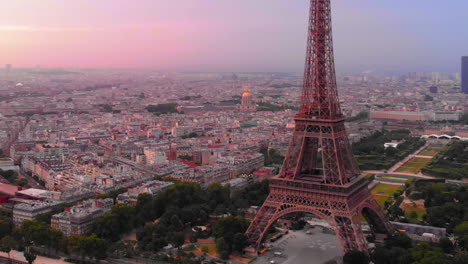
(149, 166)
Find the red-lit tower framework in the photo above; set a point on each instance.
(320, 175)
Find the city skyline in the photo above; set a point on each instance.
(188, 132)
(240, 36)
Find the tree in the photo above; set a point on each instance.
(107, 226)
(72, 244)
(460, 258)
(7, 243)
(356, 257)
(176, 223)
(461, 233)
(399, 240)
(427, 254)
(162, 108)
(272, 156)
(228, 232)
(384, 255)
(143, 212)
(5, 226)
(94, 247)
(239, 242)
(40, 234)
(121, 249)
(446, 245)
(178, 239)
(119, 220)
(223, 248)
(29, 256)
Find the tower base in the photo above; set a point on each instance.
(342, 206)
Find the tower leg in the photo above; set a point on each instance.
(260, 225)
(348, 231)
(375, 218)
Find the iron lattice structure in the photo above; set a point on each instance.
(319, 174)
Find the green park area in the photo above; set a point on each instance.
(383, 192)
(431, 150)
(414, 165)
(414, 212)
(450, 163)
(371, 153)
(430, 202)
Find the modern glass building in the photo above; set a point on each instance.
(464, 74)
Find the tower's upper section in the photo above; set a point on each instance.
(319, 93)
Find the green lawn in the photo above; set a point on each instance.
(393, 178)
(386, 189)
(414, 165)
(383, 192)
(430, 153)
(420, 212)
(381, 200)
(431, 150)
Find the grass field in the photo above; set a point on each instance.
(431, 150)
(393, 178)
(414, 165)
(414, 212)
(419, 214)
(381, 199)
(383, 192)
(430, 153)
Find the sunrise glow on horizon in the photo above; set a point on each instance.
(224, 35)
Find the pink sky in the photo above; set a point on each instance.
(128, 33)
(231, 35)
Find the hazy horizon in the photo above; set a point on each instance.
(235, 36)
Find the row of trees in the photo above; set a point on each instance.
(39, 235)
(266, 106)
(178, 209)
(400, 249)
(12, 177)
(162, 108)
(446, 204)
(364, 115)
(451, 163)
(272, 156)
(229, 234)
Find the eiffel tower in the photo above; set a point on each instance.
(319, 174)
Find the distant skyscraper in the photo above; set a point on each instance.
(464, 74)
(8, 68)
(433, 89)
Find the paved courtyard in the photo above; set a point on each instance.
(308, 246)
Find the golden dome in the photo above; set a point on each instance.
(246, 92)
